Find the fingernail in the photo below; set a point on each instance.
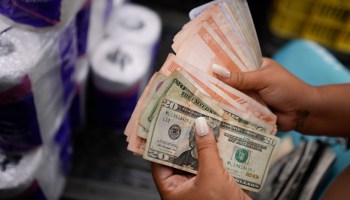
(221, 71)
(202, 128)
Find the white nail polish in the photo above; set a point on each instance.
(202, 127)
(221, 71)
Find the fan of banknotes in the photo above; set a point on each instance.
(161, 128)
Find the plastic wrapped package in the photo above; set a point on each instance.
(18, 173)
(68, 53)
(108, 10)
(40, 13)
(38, 174)
(63, 145)
(98, 19)
(36, 84)
(19, 124)
(118, 69)
(78, 107)
(82, 21)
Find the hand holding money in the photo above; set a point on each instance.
(162, 126)
(281, 95)
(211, 174)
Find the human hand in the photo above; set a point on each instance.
(212, 180)
(287, 96)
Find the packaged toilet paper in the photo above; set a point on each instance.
(136, 24)
(100, 12)
(118, 69)
(40, 13)
(78, 106)
(39, 174)
(63, 145)
(36, 84)
(18, 173)
(82, 22)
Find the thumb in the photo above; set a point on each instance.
(251, 80)
(208, 153)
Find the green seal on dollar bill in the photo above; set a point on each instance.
(241, 155)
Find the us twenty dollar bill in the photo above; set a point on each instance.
(180, 85)
(245, 154)
(177, 86)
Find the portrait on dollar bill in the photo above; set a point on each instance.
(189, 158)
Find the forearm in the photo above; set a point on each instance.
(327, 111)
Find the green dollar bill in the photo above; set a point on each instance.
(245, 154)
(182, 88)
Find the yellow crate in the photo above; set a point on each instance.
(320, 32)
(343, 41)
(295, 6)
(326, 24)
(333, 12)
(323, 21)
(286, 24)
(288, 17)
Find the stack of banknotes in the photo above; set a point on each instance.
(161, 128)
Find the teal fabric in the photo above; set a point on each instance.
(317, 66)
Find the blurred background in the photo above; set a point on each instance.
(67, 95)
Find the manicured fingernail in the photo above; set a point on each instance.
(202, 128)
(221, 71)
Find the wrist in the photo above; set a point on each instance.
(309, 108)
